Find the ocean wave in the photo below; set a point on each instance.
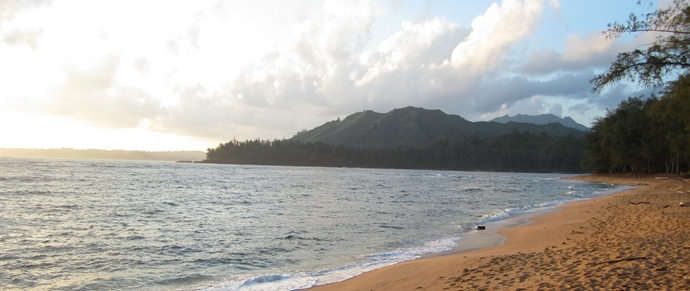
(310, 279)
(264, 282)
(508, 212)
(434, 176)
(498, 215)
(248, 230)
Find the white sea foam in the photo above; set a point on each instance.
(264, 283)
(508, 212)
(380, 260)
(306, 280)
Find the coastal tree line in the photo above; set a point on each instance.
(515, 152)
(643, 135)
(647, 134)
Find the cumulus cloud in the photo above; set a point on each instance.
(221, 117)
(142, 65)
(198, 114)
(318, 66)
(581, 53)
(557, 110)
(10, 8)
(582, 56)
(411, 67)
(20, 36)
(494, 32)
(577, 49)
(429, 63)
(492, 94)
(194, 30)
(27, 37)
(593, 51)
(617, 93)
(330, 67)
(417, 46)
(327, 70)
(173, 47)
(531, 106)
(93, 96)
(609, 99)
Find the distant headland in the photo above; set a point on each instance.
(103, 154)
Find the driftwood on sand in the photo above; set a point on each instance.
(623, 259)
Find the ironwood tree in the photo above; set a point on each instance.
(647, 134)
(666, 57)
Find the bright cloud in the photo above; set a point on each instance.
(95, 96)
(204, 72)
(494, 32)
(28, 37)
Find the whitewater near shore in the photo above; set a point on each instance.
(633, 240)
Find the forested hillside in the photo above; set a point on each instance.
(515, 152)
(411, 126)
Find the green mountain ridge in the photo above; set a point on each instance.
(416, 127)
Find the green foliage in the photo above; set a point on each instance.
(672, 115)
(647, 135)
(517, 152)
(668, 55)
(621, 135)
(643, 135)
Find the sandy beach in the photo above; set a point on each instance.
(633, 240)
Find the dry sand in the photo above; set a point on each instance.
(633, 240)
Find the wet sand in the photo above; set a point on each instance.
(633, 240)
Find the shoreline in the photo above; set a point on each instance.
(563, 248)
(491, 237)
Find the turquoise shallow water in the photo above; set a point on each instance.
(101, 224)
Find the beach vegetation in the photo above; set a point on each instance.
(647, 134)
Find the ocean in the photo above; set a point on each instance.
(70, 224)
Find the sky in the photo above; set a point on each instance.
(187, 75)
